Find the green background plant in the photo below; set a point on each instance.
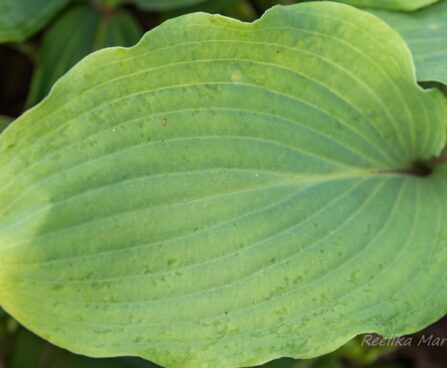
(65, 43)
(426, 34)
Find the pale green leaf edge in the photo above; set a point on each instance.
(339, 340)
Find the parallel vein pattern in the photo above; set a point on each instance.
(225, 193)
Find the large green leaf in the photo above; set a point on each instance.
(78, 32)
(426, 33)
(405, 5)
(225, 193)
(21, 18)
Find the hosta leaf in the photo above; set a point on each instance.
(426, 33)
(80, 31)
(225, 193)
(404, 5)
(19, 19)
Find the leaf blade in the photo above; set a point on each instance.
(236, 151)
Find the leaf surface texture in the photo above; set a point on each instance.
(226, 193)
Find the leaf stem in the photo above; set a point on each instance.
(422, 168)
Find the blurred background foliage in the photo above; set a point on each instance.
(40, 40)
